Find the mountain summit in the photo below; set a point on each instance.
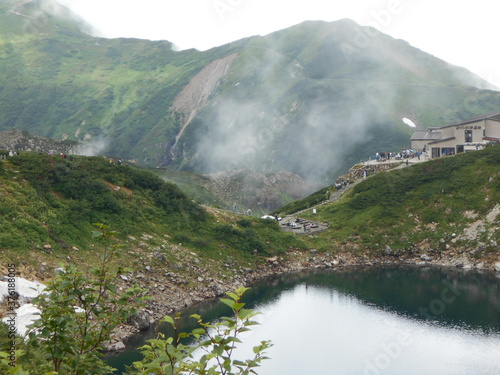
(311, 99)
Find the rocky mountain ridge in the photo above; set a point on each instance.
(18, 141)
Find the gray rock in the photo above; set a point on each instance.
(497, 266)
(141, 320)
(115, 346)
(218, 290)
(159, 256)
(388, 250)
(59, 270)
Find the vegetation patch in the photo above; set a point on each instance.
(424, 204)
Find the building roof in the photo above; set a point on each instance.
(434, 135)
(495, 116)
(424, 135)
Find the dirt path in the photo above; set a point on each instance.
(299, 225)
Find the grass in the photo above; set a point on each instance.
(48, 205)
(423, 203)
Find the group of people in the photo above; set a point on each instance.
(403, 154)
(248, 212)
(341, 183)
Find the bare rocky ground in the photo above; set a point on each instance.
(18, 140)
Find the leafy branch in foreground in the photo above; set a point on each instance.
(80, 311)
(213, 343)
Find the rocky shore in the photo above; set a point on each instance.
(177, 284)
(171, 294)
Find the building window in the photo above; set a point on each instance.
(446, 151)
(468, 136)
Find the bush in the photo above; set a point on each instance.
(244, 223)
(246, 240)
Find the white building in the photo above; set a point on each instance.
(472, 134)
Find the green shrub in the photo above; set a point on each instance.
(244, 223)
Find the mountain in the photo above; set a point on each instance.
(440, 210)
(311, 100)
(48, 203)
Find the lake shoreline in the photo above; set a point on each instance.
(177, 296)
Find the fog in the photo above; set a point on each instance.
(93, 147)
(285, 115)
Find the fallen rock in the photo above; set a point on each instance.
(113, 346)
(142, 320)
(59, 270)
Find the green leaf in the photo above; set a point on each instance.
(168, 319)
(238, 306)
(234, 296)
(228, 302)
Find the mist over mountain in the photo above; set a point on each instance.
(312, 99)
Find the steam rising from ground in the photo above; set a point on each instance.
(94, 147)
(296, 123)
(253, 135)
(322, 110)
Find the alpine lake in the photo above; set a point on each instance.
(368, 320)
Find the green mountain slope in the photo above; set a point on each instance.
(429, 208)
(48, 205)
(441, 208)
(310, 99)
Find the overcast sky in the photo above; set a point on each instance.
(463, 33)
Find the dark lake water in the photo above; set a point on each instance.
(396, 320)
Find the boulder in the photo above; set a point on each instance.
(114, 346)
(142, 320)
(59, 270)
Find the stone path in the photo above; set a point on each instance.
(299, 225)
(308, 226)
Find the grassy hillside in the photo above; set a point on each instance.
(432, 206)
(65, 83)
(296, 100)
(48, 205)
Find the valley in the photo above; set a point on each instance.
(157, 165)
